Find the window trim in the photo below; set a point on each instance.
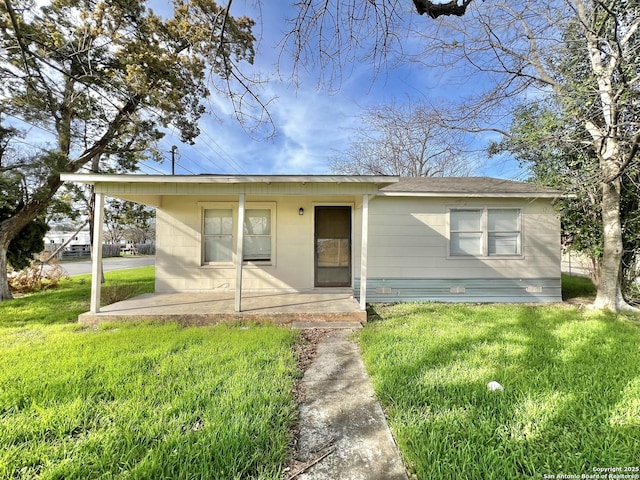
(481, 231)
(204, 236)
(518, 231)
(234, 206)
(252, 206)
(484, 223)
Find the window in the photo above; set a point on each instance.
(486, 232)
(504, 232)
(466, 232)
(220, 232)
(257, 235)
(218, 235)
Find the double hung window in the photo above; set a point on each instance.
(218, 235)
(485, 232)
(466, 232)
(257, 235)
(503, 232)
(219, 230)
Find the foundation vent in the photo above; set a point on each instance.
(386, 290)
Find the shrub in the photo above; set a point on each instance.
(37, 276)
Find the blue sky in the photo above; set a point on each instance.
(312, 124)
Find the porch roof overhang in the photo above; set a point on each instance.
(94, 178)
(149, 189)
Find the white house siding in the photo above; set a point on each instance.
(408, 234)
(408, 244)
(408, 254)
(179, 245)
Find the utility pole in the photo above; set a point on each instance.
(173, 159)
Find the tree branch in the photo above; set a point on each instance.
(434, 10)
(98, 147)
(23, 53)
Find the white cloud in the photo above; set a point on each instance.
(311, 125)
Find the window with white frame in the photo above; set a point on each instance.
(218, 235)
(219, 232)
(466, 232)
(503, 230)
(485, 232)
(257, 235)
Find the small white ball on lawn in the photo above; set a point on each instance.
(493, 386)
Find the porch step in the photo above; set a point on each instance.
(325, 325)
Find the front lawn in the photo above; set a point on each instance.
(70, 297)
(139, 400)
(571, 399)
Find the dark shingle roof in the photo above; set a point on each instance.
(467, 186)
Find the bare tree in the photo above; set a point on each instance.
(583, 53)
(513, 46)
(407, 141)
(341, 33)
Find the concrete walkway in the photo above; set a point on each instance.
(343, 431)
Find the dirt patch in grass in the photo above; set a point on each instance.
(305, 352)
(580, 301)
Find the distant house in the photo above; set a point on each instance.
(79, 243)
(387, 239)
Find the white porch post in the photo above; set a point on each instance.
(96, 253)
(363, 252)
(239, 254)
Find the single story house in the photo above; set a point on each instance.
(387, 239)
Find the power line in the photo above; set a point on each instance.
(189, 159)
(185, 168)
(239, 167)
(213, 148)
(141, 167)
(33, 125)
(141, 163)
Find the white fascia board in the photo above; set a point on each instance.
(470, 195)
(228, 179)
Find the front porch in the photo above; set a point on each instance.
(210, 308)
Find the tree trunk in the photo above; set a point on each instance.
(5, 293)
(12, 226)
(609, 287)
(10, 229)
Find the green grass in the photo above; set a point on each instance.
(577, 287)
(70, 298)
(139, 400)
(145, 401)
(571, 399)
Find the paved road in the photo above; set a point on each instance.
(117, 263)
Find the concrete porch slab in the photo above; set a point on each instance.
(209, 308)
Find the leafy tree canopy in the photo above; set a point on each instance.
(30, 239)
(102, 80)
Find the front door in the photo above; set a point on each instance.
(332, 246)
